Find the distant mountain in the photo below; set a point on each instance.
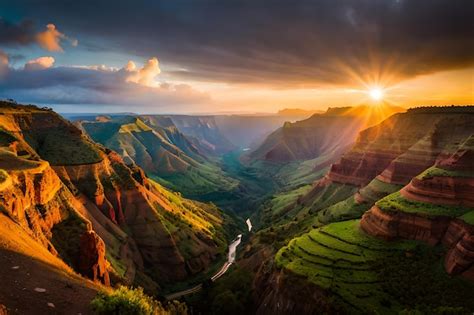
(247, 131)
(299, 112)
(204, 132)
(155, 144)
(320, 135)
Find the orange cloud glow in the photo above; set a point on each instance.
(51, 38)
(40, 63)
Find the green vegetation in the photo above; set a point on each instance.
(369, 275)
(377, 189)
(349, 209)
(63, 146)
(197, 182)
(418, 281)
(3, 175)
(468, 217)
(126, 301)
(6, 138)
(396, 202)
(165, 154)
(441, 172)
(67, 235)
(343, 210)
(340, 258)
(283, 200)
(232, 294)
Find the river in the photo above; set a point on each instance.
(230, 260)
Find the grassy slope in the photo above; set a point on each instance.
(356, 269)
(440, 172)
(395, 202)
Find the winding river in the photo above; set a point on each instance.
(230, 260)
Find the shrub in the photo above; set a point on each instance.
(127, 301)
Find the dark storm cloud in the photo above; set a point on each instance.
(16, 33)
(289, 42)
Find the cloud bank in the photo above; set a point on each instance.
(297, 43)
(40, 82)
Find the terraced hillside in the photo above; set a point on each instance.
(103, 218)
(365, 274)
(156, 145)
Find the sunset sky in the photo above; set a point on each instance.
(235, 56)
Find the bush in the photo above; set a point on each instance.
(126, 301)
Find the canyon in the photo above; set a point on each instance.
(321, 206)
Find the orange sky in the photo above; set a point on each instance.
(441, 88)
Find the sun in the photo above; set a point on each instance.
(376, 94)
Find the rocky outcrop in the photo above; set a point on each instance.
(459, 238)
(92, 261)
(392, 225)
(445, 190)
(456, 235)
(281, 292)
(37, 200)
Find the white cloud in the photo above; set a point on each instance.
(145, 75)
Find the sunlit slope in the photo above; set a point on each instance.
(320, 134)
(27, 264)
(156, 145)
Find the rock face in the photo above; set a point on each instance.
(83, 203)
(92, 261)
(275, 297)
(455, 234)
(443, 190)
(392, 225)
(459, 237)
(401, 147)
